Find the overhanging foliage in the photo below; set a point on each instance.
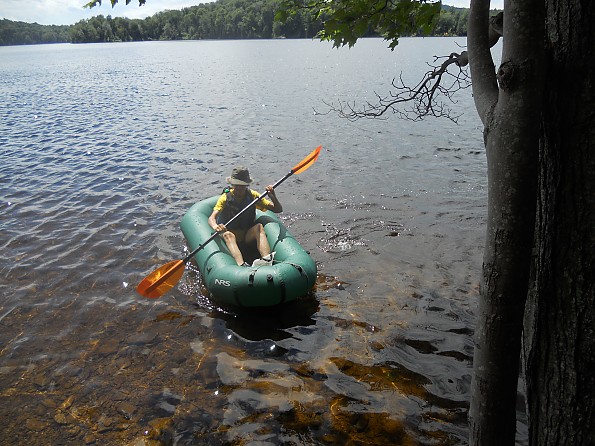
(345, 21)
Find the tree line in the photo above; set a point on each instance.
(223, 19)
(21, 33)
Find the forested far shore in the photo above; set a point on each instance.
(21, 33)
(223, 19)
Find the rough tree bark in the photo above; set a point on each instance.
(509, 104)
(559, 343)
(538, 153)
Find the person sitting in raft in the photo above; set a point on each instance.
(243, 229)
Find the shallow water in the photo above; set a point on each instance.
(104, 147)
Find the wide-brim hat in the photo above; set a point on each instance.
(239, 176)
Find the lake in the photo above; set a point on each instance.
(104, 147)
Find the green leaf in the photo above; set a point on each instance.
(92, 4)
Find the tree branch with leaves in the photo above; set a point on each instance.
(94, 3)
(347, 21)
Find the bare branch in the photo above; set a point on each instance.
(430, 97)
(427, 98)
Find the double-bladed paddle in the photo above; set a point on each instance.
(165, 277)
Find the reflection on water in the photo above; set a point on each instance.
(104, 148)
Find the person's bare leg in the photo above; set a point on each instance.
(232, 245)
(257, 233)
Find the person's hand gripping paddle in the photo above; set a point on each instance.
(167, 276)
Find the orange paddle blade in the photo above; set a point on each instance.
(307, 161)
(161, 280)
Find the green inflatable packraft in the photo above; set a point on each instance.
(292, 274)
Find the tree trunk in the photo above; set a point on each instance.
(560, 324)
(511, 118)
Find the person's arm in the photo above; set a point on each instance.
(274, 205)
(213, 217)
(213, 222)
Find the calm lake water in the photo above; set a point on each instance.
(103, 148)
